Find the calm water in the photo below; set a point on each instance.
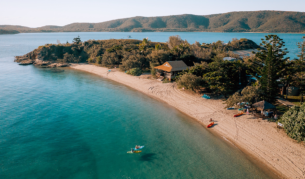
(71, 124)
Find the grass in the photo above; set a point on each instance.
(295, 99)
(280, 108)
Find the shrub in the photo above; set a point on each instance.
(98, 60)
(165, 80)
(135, 71)
(294, 122)
(190, 82)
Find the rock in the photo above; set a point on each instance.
(54, 65)
(26, 62)
(63, 64)
(42, 64)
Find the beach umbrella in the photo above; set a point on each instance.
(263, 105)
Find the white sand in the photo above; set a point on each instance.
(256, 137)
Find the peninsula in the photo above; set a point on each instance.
(243, 21)
(183, 75)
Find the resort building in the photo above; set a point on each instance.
(170, 69)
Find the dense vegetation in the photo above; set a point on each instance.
(251, 21)
(129, 54)
(8, 31)
(294, 122)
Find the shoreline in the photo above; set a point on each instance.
(261, 142)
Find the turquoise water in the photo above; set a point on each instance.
(70, 124)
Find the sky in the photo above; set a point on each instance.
(37, 13)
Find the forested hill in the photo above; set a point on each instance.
(8, 31)
(248, 21)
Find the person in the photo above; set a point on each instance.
(211, 120)
(137, 147)
(275, 117)
(132, 150)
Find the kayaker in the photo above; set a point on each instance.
(211, 120)
(137, 147)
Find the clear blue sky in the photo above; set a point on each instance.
(35, 13)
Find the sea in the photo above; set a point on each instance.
(74, 125)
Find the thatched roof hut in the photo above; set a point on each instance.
(263, 105)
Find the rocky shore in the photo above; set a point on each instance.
(24, 60)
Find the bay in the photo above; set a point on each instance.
(71, 124)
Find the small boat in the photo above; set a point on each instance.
(230, 108)
(137, 151)
(236, 115)
(139, 148)
(210, 125)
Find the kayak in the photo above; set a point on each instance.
(210, 125)
(230, 108)
(140, 147)
(236, 115)
(137, 151)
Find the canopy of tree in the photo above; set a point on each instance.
(246, 21)
(128, 54)
(294, 122)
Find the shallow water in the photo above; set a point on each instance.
(70, 124)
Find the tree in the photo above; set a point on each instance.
(301, 56)
(157, 47)
(294, 122)
(190, 82)
(218, 80)
(110, 59)
(174, 41)
(269, 65)
(77, 40)
(223, 77)
(159, 57)
(68, 58)
(144, 44)
(250, 94)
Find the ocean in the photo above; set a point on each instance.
(71, 124)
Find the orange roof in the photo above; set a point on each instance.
(165, 67)
(172, 66)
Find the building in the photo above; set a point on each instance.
(170, 69)
(231, 59)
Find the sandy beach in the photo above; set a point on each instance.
(256, 137)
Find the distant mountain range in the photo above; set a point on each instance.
(248, 21)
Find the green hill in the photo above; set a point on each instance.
(251, 21)
(8, 31)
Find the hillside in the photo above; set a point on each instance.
(252, 21)
(8, 31)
